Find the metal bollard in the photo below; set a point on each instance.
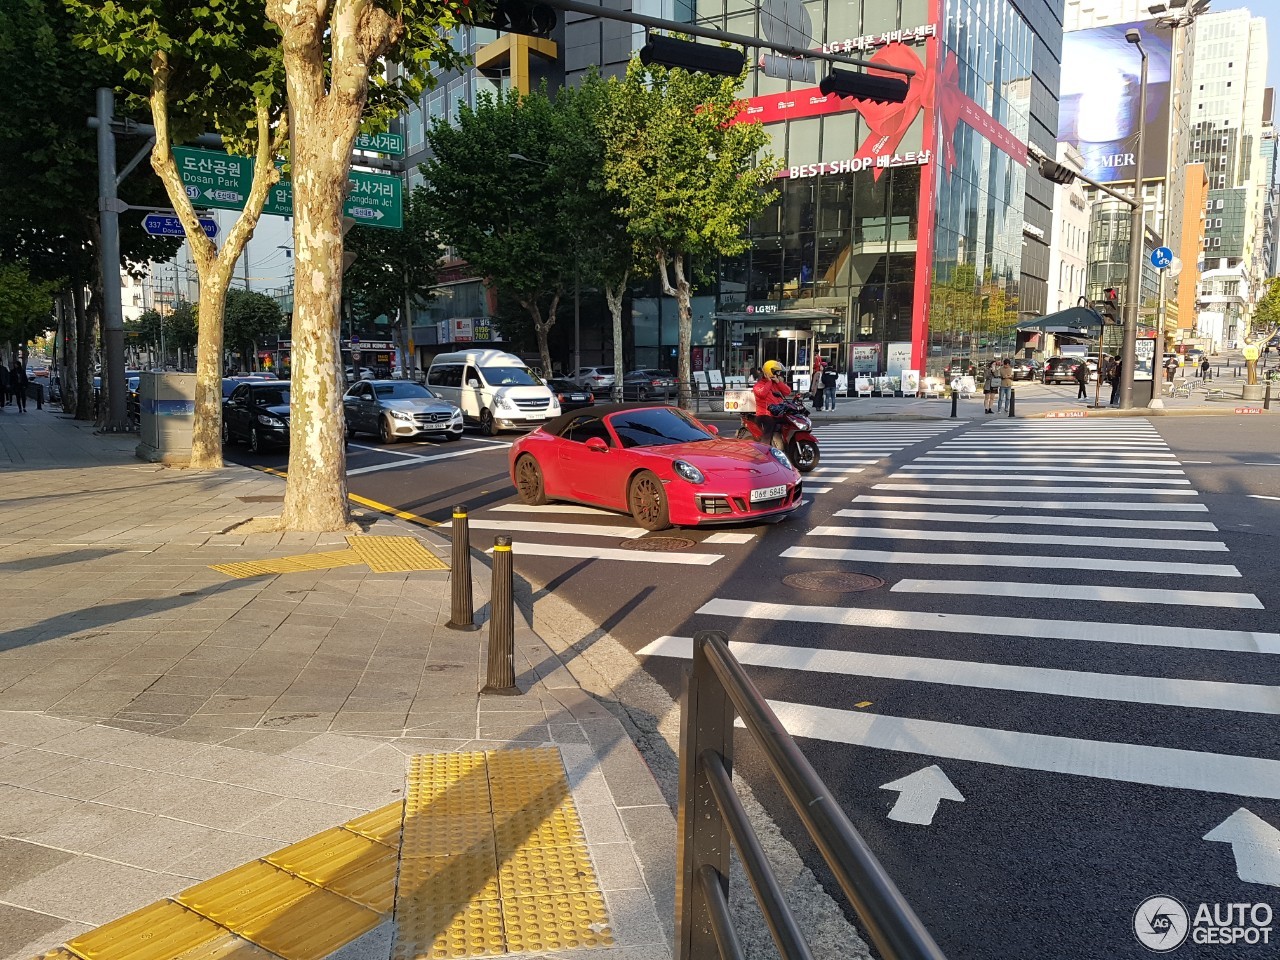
(462, 614)
(1013, 396)
(955, 400)
(1266, 400)
(39, 396)
(502, 627)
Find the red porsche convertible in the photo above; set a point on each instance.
(657, 463)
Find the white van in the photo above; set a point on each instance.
(495, 390)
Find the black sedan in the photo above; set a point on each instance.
(1025, 369)
(570, 395)
(257, 412)
(645, 385)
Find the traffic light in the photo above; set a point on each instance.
(1110, 305)
(1057, 172)
(521, 16)
(694, 57)
(863, 86)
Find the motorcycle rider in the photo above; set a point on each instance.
(769, 390)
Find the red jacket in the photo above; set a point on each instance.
(769, 392)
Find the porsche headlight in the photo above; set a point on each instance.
(780, 457)
(687, 471)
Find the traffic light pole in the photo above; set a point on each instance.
(1137, 238)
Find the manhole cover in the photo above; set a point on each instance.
(832, 581)
(658, 544)
(261, 499)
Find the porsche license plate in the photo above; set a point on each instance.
(768, 493)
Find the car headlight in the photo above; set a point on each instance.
(401, 414)
(267, 421)
(780, 457)
(687, 471)
(457, 415)
(502, 403)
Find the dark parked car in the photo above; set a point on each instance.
(1025, 369)
(392, 409)
(959, 367)
(570, 395)
(648, 385)
(1061, 369)
(257, 412)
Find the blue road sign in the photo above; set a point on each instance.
(168, 225)
(1161, 258)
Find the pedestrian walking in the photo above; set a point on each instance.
(829, 378)
(815, 383)
(1117, 368)
(4, 385)
(1204, 367)
(991, 387)
(1006, 385)
(18, 384)
(1081, 375)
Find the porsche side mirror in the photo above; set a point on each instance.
(713, 429)
(598, 445)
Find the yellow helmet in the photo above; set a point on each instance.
(772, 368)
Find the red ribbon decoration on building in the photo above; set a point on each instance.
(889, 122)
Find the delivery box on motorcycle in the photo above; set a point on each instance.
(739, 401)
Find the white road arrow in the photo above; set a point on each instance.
(919, 795)
(1255, 843)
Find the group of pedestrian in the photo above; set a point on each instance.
(997, 391)
(13, 384)
(822, 382)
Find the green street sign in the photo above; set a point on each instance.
(391, 144)
(219, 180)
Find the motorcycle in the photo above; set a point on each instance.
(794, 435)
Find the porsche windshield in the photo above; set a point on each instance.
(656, 428)
(509, 377)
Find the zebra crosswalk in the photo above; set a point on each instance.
(850, 448)
(1042, 533)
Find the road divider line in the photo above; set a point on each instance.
(1021, 561)
(1085, 506)
(1099, 759)
(1149, 459)
(1021, 519)
(970, 471)
(1023, 488)
(581, 529)
(392, 511)
(1063, 591)
(978, 675)
(1096, 476)
(1000, 628)
(420, 459)
(1033, 539)
(839, 469)
(572, 552)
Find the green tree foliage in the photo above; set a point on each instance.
(1266, 315)
(688, 178)
(26, 304)
(393, 265)
(182, 329)
(512, 220)
(252, 319)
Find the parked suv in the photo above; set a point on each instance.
(959, 367)
(258, 412)
(1061, 369)
(595, 379)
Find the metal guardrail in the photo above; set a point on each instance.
(711, 817)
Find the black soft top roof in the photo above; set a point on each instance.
(598, 412)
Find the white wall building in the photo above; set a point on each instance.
(1069, 242)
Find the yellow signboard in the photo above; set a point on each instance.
(1251, 353)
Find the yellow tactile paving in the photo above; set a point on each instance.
(521, 877)
(156, 932)
(58, 953)
(395, 554)
(382, 824)
(300, 563)
(280, 912)
(329, 855)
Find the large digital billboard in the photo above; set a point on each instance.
(1100, 99)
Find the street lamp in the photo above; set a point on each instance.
(1137, 237)
(577, 282)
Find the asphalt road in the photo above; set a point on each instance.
(1072, 658)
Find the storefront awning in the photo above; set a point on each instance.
(1081, 321)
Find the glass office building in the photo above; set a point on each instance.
(896, 239)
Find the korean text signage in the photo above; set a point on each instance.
(391, 144)
(222, 181)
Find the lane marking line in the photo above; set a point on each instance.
(1021, 561)
(609, 553)
(1022, 519)
(420, 459)
(1023, 488)
(1084, 506)
(582, 529)
(1062, 591)
(1029, 539)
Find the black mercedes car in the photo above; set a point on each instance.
(257, 412)
(570, 395)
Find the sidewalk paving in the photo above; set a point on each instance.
(162, 723)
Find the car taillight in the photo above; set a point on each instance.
(655, 383)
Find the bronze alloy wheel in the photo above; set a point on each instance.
(529, 482)
(648, 502)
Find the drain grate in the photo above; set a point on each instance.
(832, 581)
(261, 499)
(658, 544)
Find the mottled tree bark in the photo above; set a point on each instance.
(682, 291)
